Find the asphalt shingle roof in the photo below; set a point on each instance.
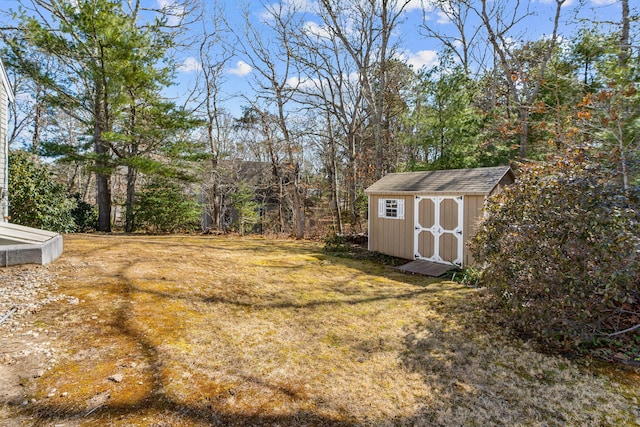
(455, 181)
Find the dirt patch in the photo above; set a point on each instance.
(23, 359)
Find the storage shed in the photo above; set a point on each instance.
(431, 215)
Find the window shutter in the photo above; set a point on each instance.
(381, 208)
(400, 208)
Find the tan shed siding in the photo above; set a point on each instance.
(472, 216)
(391, 236)
(506, 180)
(4, 106)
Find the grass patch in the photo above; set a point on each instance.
(213, 330)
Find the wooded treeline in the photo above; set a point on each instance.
(332, 103)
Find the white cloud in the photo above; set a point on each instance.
(287, 6)
(304, 83)
(603, 2)
(443, 18)
(302, 5)
(241, 69)
(311, 27)
(423, 58)
(416, 5)
(189, 65)
(570, 2)
(426, 5)
(173, 10)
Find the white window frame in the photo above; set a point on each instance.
(391, 208)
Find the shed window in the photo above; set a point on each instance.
(391, 208)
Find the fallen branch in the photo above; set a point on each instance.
(93, 410)
(631, 329)
(6, 316)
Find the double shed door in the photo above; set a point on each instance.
(438, 235)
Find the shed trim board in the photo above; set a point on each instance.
(442, 211)
(443, 193)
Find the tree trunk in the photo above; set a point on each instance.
(332, 176)
(352, 180)
(101, 148)
(85, 188)
(37, 121)
(298, 206)
(280, 204)
(103, 182)
(625, 46)
(216, 198)
(132, 174)
(623, 59)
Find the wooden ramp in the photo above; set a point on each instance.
(426, 268)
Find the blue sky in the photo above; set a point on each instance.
(417, 49)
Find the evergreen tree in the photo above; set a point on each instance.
(106, 64)
(163, 206)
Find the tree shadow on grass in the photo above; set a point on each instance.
(156, 401)
(284, 304)
(484, 378)
(211, 408)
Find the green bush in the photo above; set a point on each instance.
(85, 215)
(561, 251)
(35, 199)
(246, 208)
(162, 206)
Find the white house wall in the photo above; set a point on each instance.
(6, 96)
(4, 184)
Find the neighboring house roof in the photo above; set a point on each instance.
(478, 181)
(252, 173)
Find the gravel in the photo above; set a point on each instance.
(27, 350)
(25, 290)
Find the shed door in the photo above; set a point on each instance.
(438, 229)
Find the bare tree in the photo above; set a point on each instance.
(365, 28)
(270, 55)
(332, 85)
(213, 57)
(523, 74)
(22, 112)
(465, 44)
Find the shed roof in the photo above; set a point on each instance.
(478, 181)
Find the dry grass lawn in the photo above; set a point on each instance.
(199, 331)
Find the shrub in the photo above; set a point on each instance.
(35, 199)
(162, 206)
(246, 208)
(85, 215)
(561, 250)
